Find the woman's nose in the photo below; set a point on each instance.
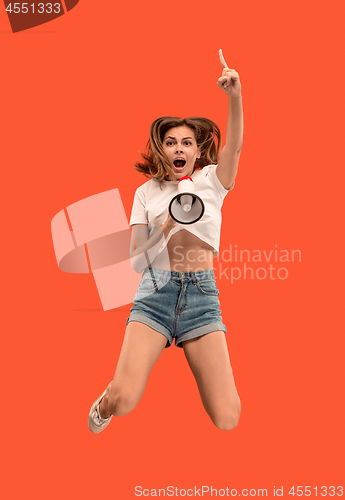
(179, 148)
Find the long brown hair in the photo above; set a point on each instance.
(156, 165)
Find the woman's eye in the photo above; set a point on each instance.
(188, 143)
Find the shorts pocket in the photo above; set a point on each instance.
(207, 287)
(146, 285)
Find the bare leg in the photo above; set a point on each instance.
(140, 350)
(209, 360)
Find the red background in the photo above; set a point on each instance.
(77, 98)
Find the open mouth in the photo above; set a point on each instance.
(179, 164)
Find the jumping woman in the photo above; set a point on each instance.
(177, 297)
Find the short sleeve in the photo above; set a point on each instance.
(213, 178)
(138, 215)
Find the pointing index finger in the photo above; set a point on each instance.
(222, 60)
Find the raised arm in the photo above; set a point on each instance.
(230, 154)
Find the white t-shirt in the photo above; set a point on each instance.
(150, 206)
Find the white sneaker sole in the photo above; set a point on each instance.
(93, 426)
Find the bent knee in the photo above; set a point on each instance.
(228, 420)
(225, 424)
(120, 404)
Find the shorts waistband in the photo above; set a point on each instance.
(177, 275)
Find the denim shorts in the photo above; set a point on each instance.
(178, 305)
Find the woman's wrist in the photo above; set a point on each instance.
(168, 225)
(233, 97)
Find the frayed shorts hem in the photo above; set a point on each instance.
(192, 334)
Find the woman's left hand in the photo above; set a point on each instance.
(230, 79)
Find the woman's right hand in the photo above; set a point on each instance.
(168, 225)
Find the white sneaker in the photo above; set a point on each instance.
(96, 422)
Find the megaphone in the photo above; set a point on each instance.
(186, 207)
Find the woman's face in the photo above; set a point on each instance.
(180, 146)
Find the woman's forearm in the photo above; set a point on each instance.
(144, 251)
(234, 128)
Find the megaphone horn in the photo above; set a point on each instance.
(186, 207)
